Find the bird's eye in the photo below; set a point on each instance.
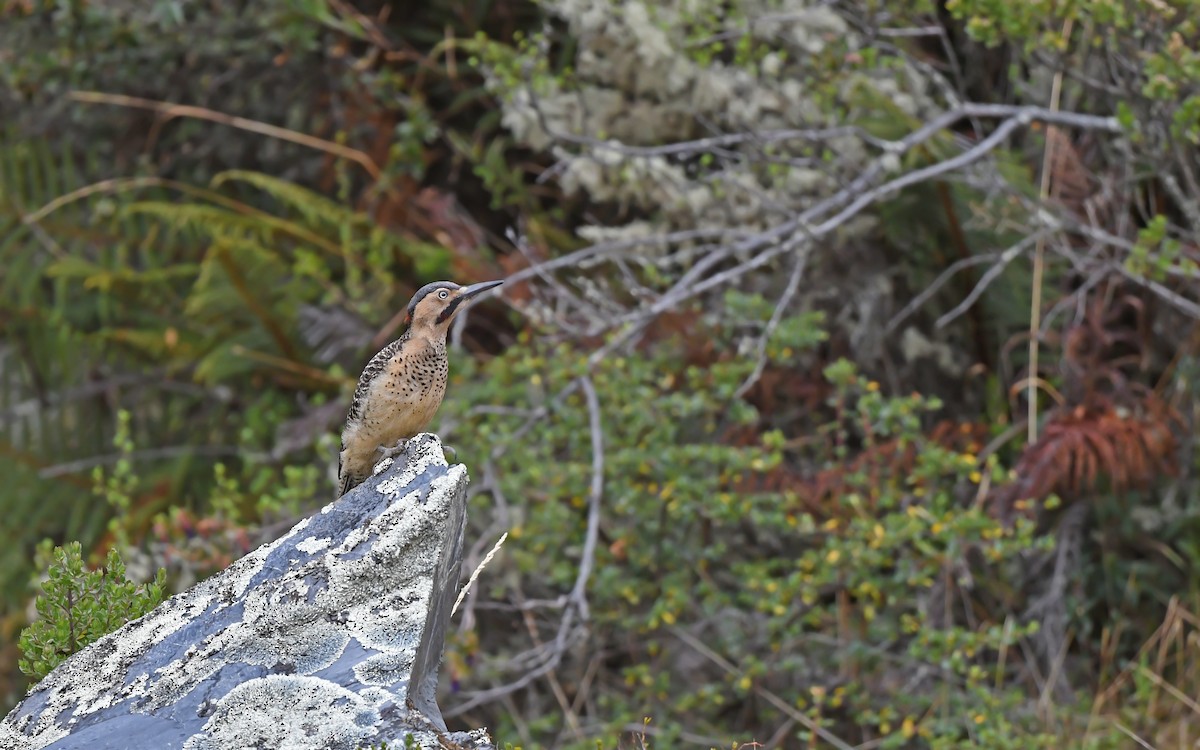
(443, 294)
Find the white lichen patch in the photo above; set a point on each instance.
(287, 711)
(427, 740)
(237, 577)
(280, 626)
(388, 625)
(364, 534)
(31, 735)
(386, 669)
(422, 454)
(313, 544)
(916, 345)
(376, 625)
(382, 466)
(288, 637)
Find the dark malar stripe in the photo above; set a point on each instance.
(450, 308)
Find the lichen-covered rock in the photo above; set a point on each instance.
(329, 637)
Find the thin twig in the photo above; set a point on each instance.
(149, 454)
(1133, 736)
(927, 293)
(1175, 692)
(110, 186)
(764, 340)
(137, 183)
(988, 277)
(780, 704)
(547, 658)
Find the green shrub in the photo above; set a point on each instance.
(78, 606)
(831, 609)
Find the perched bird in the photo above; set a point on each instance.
(402, 386)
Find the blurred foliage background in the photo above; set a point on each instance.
(839, 395)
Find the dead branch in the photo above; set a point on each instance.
(545, 658)
(776, 315)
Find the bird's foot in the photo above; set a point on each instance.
(391, 451)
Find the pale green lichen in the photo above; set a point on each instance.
(640, 78)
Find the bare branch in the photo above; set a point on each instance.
(605, 249)
(784, 300)
(1182, 304)
(547, 657)
(971, 155)
(858, 200)
(596, 491)
(1022, 116)
(831, 213)
(989, 276)
(149, 454)
(927, 293)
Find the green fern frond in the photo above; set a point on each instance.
(228, 359)
(103, 279)
(208, 222)
(203, 221)
(312, 206)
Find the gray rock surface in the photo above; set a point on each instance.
(329, 637)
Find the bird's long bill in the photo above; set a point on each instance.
(477, 289)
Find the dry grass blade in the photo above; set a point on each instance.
(169, 110)
(1165, 666)
(479, 569)
(1039, 258)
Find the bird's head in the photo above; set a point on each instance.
(435, 305)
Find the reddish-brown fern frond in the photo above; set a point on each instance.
(1101, 446)
(1111, 433)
